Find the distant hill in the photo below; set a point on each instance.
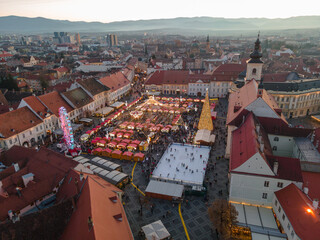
(15, 24)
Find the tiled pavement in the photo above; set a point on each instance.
(194, 213)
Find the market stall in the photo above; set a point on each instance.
(156, 231)
(127, 156)
(138, 157)
(116, 154)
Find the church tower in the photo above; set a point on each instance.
(254, 64)
(208, 44)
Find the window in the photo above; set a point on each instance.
(276, 139)
(274, 148)
(276, 202)
(10, 141)
(264, 195)
(292, 233)
(37, 129)
(266, 183)
(288, 226)
(254, 71)
(279, 209)
(283, 217)
(23, 135)
(30, 132)
(280, 185)
(40, 127)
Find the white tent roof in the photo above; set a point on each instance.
(155, 231)
(165, 188)
(105, 110)
(205, 136)
(117, 104)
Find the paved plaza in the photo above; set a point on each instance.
(195, 211)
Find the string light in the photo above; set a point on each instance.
(66, 128)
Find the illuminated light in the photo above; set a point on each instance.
(309, 210)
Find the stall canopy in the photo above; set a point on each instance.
(155, 231)
(117, 105)
(165, 188)
(204, 136)
(104, 111)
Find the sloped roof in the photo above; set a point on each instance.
(115, 81)
(17, 121)
(93, 86)
(48, 167)
(78, 97)
(295, 205)
(168, 77)
(311, 180)
(245, 142)
(245, 96)
(36, 106)
(54, 101)
(230, 68)
(99, 201)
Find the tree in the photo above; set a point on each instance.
(9, 83)
(223, 215)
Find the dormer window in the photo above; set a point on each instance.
(254, 71)
(118, 217)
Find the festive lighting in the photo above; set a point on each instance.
(66, 128)
(309, 210)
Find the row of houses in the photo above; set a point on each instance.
(195, 83)
(37, 116)
(272, 164)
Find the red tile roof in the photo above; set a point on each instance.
(289, 168)
(311, 180)
(275, 77)
(54, 101)
(245, 142)
(17, 121)
(168, 77)
(48, 167)
(61, 69)
(99, 201)
(231, 68)
(115, 81)
(295, 205)
(36, 106)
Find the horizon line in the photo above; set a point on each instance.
(131, 20)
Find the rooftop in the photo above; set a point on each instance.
(115, 81)
(295, 205)
(78, 97)
(54, 101)
(93, 86)
(48, 168)
(307, 149)
(98, 200)
(17, 121)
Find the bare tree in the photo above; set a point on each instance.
(223, 215)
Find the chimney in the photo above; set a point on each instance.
(10, 214)
(18, 192)
(258, 128)
(275, 167)
(81, 176)
(16, 167)
(306, 190)
(315, 203)
(261, 146)
(27, 178)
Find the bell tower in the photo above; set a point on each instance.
(207, 44)
(254, 64)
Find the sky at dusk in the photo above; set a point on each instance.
(108, 10)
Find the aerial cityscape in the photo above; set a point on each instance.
(127, 120)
